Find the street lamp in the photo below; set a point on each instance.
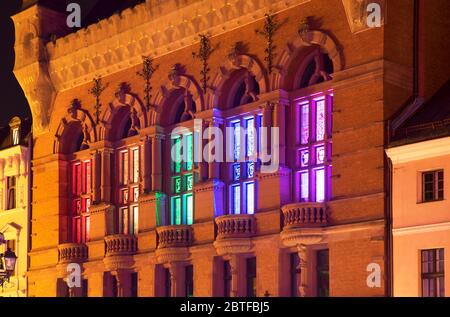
(7, 263)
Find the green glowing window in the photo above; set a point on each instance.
(188, 182)
(188, 208)
(176, 185)
(176, 211)
(188, 147)
(176, 156)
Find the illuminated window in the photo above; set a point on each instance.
(10, 192)
(81, 193)
(184, 175)
(242, 187)
(128, 191)
(15, 136)
(433, 277)
(313, 164)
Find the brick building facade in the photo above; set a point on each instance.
(107, 195)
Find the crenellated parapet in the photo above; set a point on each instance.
(34, 28)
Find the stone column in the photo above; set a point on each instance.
(177, 277)
(96, 176)
(156, 163)
(123, 283)
(146, 168)
(303, 255)
(214, 167)
(234, 266)
(267, 122)
(106, 175)
(279, 122)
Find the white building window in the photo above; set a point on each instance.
(15, 136)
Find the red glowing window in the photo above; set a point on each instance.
(81, 175)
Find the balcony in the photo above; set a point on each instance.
(235, 226)
(304, 223)
(120, 245)
(234, 234)
(305, 215)
(173, 243)
(72, 253)
(174, 236)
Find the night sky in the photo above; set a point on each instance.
(13, 101)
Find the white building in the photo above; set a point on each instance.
(15, 151)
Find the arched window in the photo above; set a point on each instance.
(313, 164)
(128, 160)
(80, 183)
(241, 88)
(181, 167)
(315, 69)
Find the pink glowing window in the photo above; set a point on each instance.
(304, 186)
(320, 120)
(320, 185)
(304, 158)
(304, 123)
(320, 155)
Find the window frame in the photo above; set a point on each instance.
(436, 190)
(436, 275)
(309, 149)
(81, 195)
(250, 159)
(128, 189)
(185, 170)
(10, 188)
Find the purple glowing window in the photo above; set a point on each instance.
(251, 137)
(236, 208)
(304, 158)
(250, 197)
(304, 133)
(320, 155)
(237, 139)
(304, 186)
(250, 169)
(320, 120)
(320, 185)
(236, 172)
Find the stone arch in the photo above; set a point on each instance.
(178, 83)
(233, 64)
(76, 121)
(312, 38)
(108, 130)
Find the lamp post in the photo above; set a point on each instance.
(7, 263)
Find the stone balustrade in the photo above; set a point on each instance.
(120, 244)
(174, 236)
(235, 226)
(305, 215)
(72, 253)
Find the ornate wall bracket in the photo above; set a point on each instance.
(357, 13)
(203, 54)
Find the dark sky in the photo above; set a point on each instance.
(13, 101)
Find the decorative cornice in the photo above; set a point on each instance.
(119, 42)
(419, 151)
